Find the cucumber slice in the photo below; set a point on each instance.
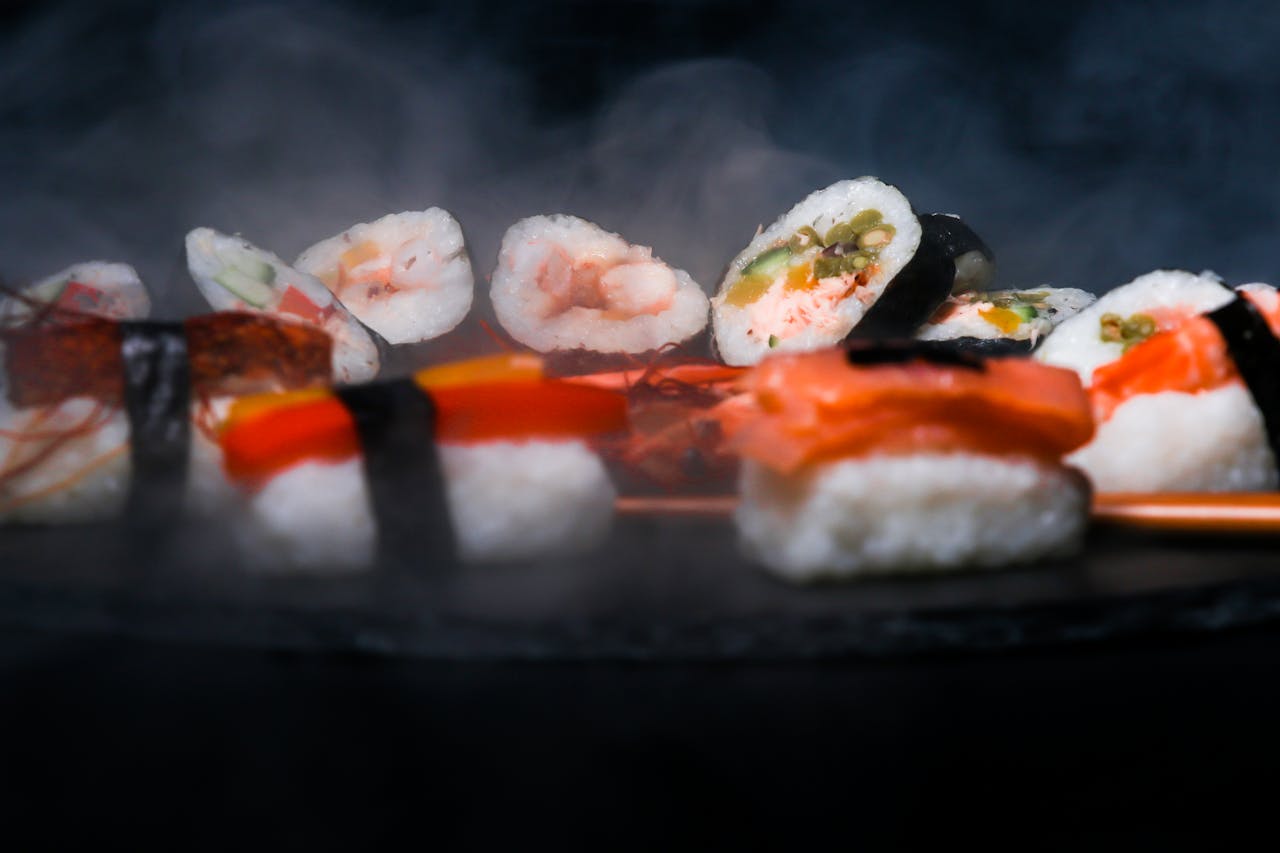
(768, 263)
(254, 268)
(248, 288)
(1026, 312)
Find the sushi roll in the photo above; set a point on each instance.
(1190, 402)
(95, 288)
(847, 257)
(406, 276)
(1003, 322)
(565, 284)
(235, 275)
(475, 462)
(103, 420)
(905, 458)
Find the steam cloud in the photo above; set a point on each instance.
(1087, 147)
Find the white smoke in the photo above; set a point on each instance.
(1131, 142)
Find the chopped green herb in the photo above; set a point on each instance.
(805, 238)
(1115, 329)
(866, 220)
(773, 341)
(841, 233)
(877, 237)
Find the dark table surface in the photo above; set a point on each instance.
(1126, 694)
(1171, 740)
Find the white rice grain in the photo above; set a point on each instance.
(924, 513)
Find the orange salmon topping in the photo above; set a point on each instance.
(817, 407)
(1190, 357)
(268, 439)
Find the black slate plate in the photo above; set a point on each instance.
(664, 589)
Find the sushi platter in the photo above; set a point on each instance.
(859, 445)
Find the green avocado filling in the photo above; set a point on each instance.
(1119, 330)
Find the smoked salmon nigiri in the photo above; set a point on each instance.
(889, 457)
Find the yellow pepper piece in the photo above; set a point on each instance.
(801, 278)
(1002, 318)
(748, 289)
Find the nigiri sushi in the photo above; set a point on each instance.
(103, 418)
(478, 461)
(1188, 399)
(906, 457)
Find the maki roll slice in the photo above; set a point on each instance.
(407, 275)
(235, 275)
(905, 457)
(847, 257)
(1003, 322)
(95, 288)
(470, 462)
(1180, 373)
(565, 285)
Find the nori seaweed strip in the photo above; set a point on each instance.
(395, 421)
(957, 239)
(913, 295)
(873, 353)
(989, 346)
(1256, 353)
(157, 401)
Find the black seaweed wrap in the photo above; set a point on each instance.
(990, 346)
(395, 422)
(157, 401)
(954, 237)
(901, 351)
(914, 293)
(1256, 353)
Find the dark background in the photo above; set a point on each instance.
(1088, 142)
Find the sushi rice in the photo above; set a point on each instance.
(921, 513)
(407, 275)
(507, 500)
